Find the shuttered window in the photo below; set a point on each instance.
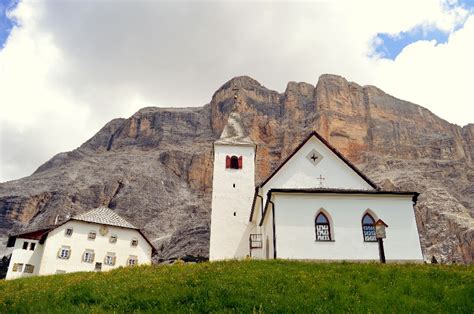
(234, 162)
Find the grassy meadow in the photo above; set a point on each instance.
(248, 286)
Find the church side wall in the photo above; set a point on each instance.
(28, 256)
(295, 229)
(232, 196)
(79, 242)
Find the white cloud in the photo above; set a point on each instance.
(72, 66)
(439, 77)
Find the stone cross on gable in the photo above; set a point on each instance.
(321, 178)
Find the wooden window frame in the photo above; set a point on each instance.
(134, 259)
(113, 239)
(112, 259)
(234, 162)
(92, 235)
(255, 241)
(366, 225)
(316, 224)
(17, 267)
(98, 266)
(32, 246)
(134, 242)
(25, 245)
(90, 256)
(68, 232)
(67, 256)
(29, 269)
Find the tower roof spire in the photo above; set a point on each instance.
(234, 132)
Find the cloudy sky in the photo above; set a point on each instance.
(67, 68)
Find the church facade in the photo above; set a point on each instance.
(315, 206)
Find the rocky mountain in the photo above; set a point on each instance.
(155, 168)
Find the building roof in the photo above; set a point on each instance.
(105, 216)
(233, 133)
(101, 215)
(332, 148)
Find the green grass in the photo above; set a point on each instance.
(249, 286)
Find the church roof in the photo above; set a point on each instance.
(105, 216)
(234, 132)
(332, 148)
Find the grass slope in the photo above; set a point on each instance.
(249, 286)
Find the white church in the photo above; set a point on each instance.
(315, 206)
(97, 240)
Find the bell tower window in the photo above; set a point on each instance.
(233, 162)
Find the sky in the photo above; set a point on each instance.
(69, 67)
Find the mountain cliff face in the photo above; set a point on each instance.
(155, 168)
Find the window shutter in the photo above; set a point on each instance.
(59, 252)
(93, 257)
(15, 267)
(227, 162)
(69, 253)
(240, 162)
(113, 260)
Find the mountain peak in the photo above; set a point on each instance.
(245, 82)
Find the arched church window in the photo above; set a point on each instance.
(323, 228)
(233, 162)
(368, 228)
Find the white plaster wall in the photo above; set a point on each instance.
(295, 233)
(79, 242)
(300, 173)
(25, 257)
(267, 231)
(229, 233)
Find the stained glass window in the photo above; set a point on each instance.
(323, 229)
(368, 228)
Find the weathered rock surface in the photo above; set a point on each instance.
(155, 168)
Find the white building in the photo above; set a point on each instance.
(97, 240)
(315, 205)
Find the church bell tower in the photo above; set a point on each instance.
(233, 188)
